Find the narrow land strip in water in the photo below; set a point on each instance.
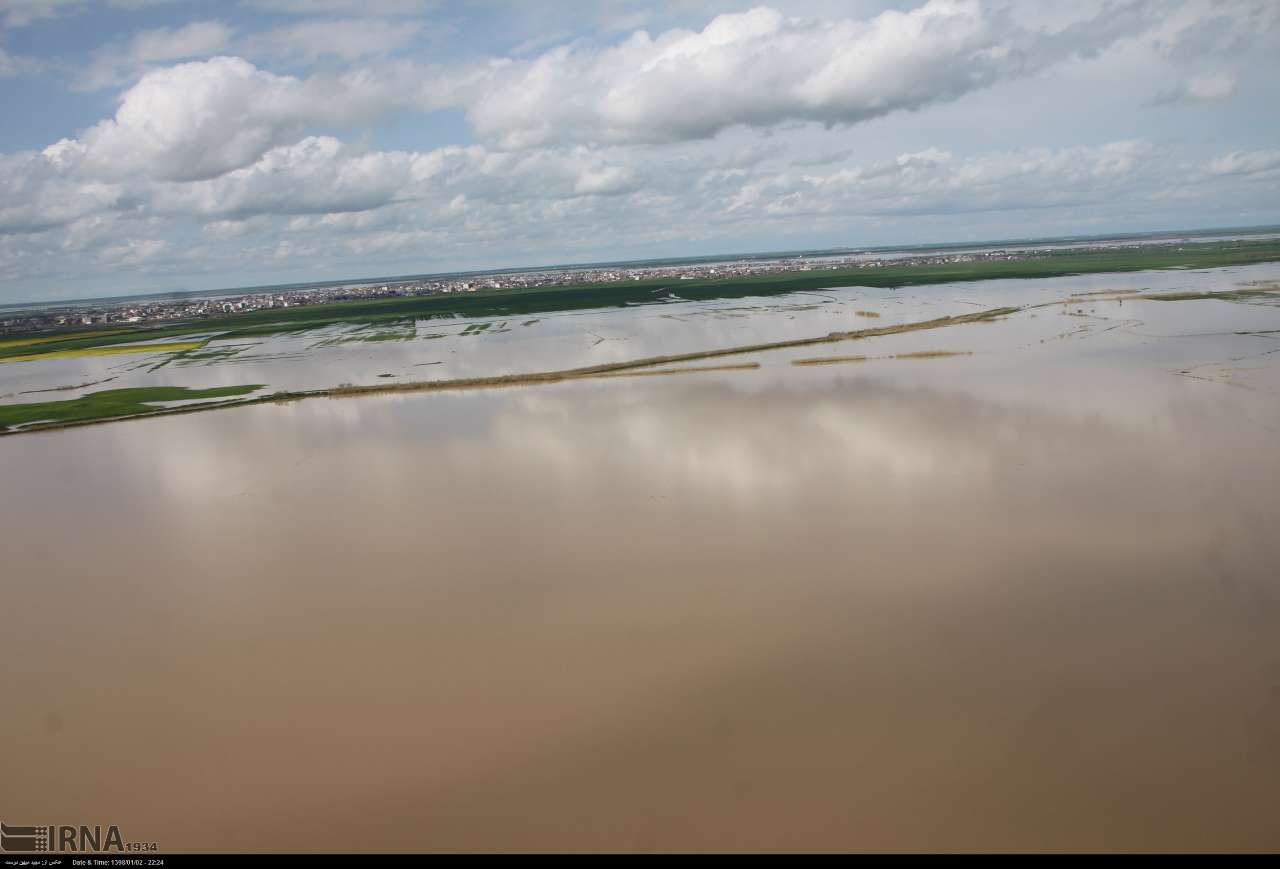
(535, 377)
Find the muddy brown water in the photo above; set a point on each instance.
(1022, 599)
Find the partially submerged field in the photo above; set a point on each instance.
(295, 361)
(108, 404)
(576, 297)
(58, 350)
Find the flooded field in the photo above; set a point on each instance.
(461, 347)
(1004, 585)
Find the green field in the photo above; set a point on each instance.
(518, 302)
(107, 350)
(48, 339)
(110, 403)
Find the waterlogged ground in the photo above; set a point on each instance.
(1024, 597)
(451, 348)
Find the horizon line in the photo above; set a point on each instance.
(253, 289)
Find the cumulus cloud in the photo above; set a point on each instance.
(322, 194)
(322, 175)
(315, 176)
(36, 196)
(200, 120)
(760, 69)
(195, 120)
(318, 175)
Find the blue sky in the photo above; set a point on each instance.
(159, 145)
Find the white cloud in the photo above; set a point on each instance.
(343, 39)
(315, 176)
(759, 68)
(934, 182)
(163, 43)
(139, 4)
(9, 65)
(35, 195)
(1210, 86)
(224, 229)
(605, 180)
(1247, 163)
(1204, 87)
(321, 175)
(132, 252)
(203, 119)
(345, 7)
(344, 201)
(196, 120)
(115, 63)
(927, 157)
(20, 13)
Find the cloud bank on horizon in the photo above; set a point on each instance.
(162, 144)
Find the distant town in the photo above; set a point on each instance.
(220, 304)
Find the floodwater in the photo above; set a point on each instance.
(1026, 598)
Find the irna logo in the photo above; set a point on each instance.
(60, 837)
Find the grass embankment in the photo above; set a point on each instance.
(693, 369)
(919, 354)
(1242, 295)
(652, 361)
(506, 303)
(110, 404)
(170, 347)
(831, 360)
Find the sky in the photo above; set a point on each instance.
(162, 145)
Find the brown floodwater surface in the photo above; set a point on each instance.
(1024, 598)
